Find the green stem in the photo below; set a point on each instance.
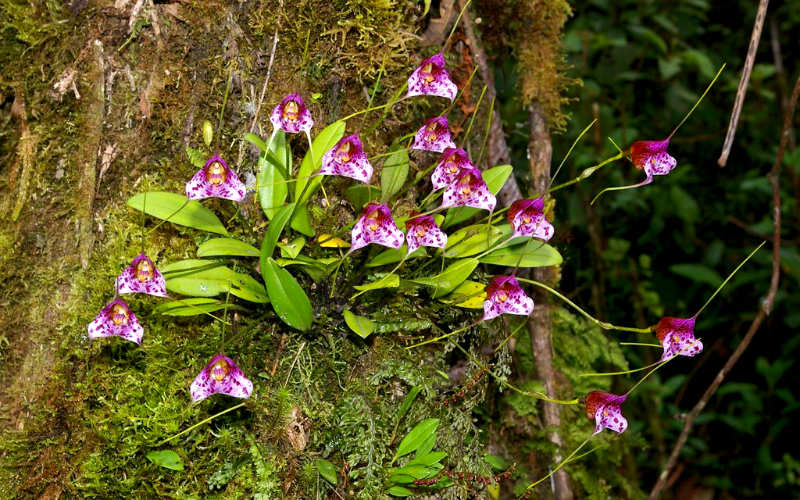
(659, 365)
(602, 324)
(488, 131)
(697, 103)
(442, 337)
(209, 419)
(455, 25)
(719, 288)
(625, 372)
(168, 217)
(474, 114)
(569, 151)
(640, 344)
(224, 102)
(586, 173)
(562, 464)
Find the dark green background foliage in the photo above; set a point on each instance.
(83, 421)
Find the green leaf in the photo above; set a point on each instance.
(395, 255)
(497, 462)
(407, 401)
(166, 458)
(697, 273)
(326, 470)
(272, 188)
(190, 307)
(178, 209)
(446, 281)
(388, 281)
(394, 173)
(274, 231)
(469, 295)
(399, 491)
(292, 249)
(473, 240)
(196, 157)
(208, 132)
(301, 222)
(537, 254)
(324, 141)
(226, 246)
(361, 325)
(290, 302)
(428, 459)
(256, 141)
(417, 437)
(208, 278)
(360, 194)
(427, 445)
(495, 178)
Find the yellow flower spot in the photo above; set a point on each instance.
(291, 111)
(119, 314)
(220, 370)
(216, 174)
(344, 152)
(502, 297)
(427, 73)
(526, 220)
(605, 413)
(420, 231)
(144, 271)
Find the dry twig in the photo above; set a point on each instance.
(764, 309)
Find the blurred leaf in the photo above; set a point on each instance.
(446, 281)
(407, 401)
(191, 307)
(290, 302)
(360, 194)
(535, 254)
(208, 278)
(274, 231)
(208, 132)
(394, 173)
(324, 141)
(292, 249)
(326, 470)
(469, 295)
(167, 459)
(272, 188)
(360, 325)
(416, 437)
(473, 240)
(330, 241)
(399, 491)
(387, 281)
(178, 209)
(697, 273)
(395, 255)
(226, 246)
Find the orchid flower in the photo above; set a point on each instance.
(504, 295)
(141, 276)
(376, 225)
(347, 159)
(292, 115)
(453, 162)
(469, 190)
(116, 320)
(431, 78)
(677, 337)
(605, 409)
(434, 136)
(527, 219)
(215, 180)
(422, 231)
(220, 376)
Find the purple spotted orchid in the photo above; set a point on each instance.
(677, 337)
(422, 231)
(292, 115)
(141, 276)
(652, 157)
(453, 162)
(220, 376)
(376, 225)
(347, 159)
(505, 296)
(431, 78)
(434, 136)
(469, 190)
(527, 219)
(215, 180)
(605, 409)
(116, 320)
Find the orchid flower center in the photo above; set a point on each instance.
(433, 131)
(465, 184)
(605, 413)
(220, 370)
(291, 111)
(451, 166)
(502, 297)
(427, 73)
(119, 314)
(372, 221)
(420, 231)
(216, 174)
(675, 338)
(526, 219)
(343, 153)
(144, 270)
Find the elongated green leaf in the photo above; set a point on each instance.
(407, 401)
(446, 281)
(537, 254)
(360, 325)
(395, 255)
(394, 173)
(256, 141)
(292, 249)
(178, 209)
(473, 240)
(190, 307)
(388, 281)
(226, 246)
(428, 459)
(166, 458)
(427, 446)
(274, 231)
(290, 302)
(324, 141)
(416, 437)
(697, 273)
(360, 194)
(301, 222)
(494, 177)
(272, 187)
(326, 470)
(399, 491)
(208, 278)
(469, 295)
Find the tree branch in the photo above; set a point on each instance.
(764, 309)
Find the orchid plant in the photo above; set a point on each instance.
(390, 217)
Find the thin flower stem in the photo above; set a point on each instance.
(144, 207)
(659, 365)
(494, 247)
(461, 92)
(224, 321)
(224, 102)
(602, 324)
(442, 337)
(488, 131)
(455, 25)
(168, 217)
(562, 464)
(640, 344)
(372, 97)
(513, 332)
(569, 151)
(536, 395)
(202, 422)
(645, 182)
(626, 372)
(697, 103)
(719, 288)
(586, 173)
(474, 114)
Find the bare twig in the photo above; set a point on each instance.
(764, 309)
(266, 80)
(745, 78)
(498, 149)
